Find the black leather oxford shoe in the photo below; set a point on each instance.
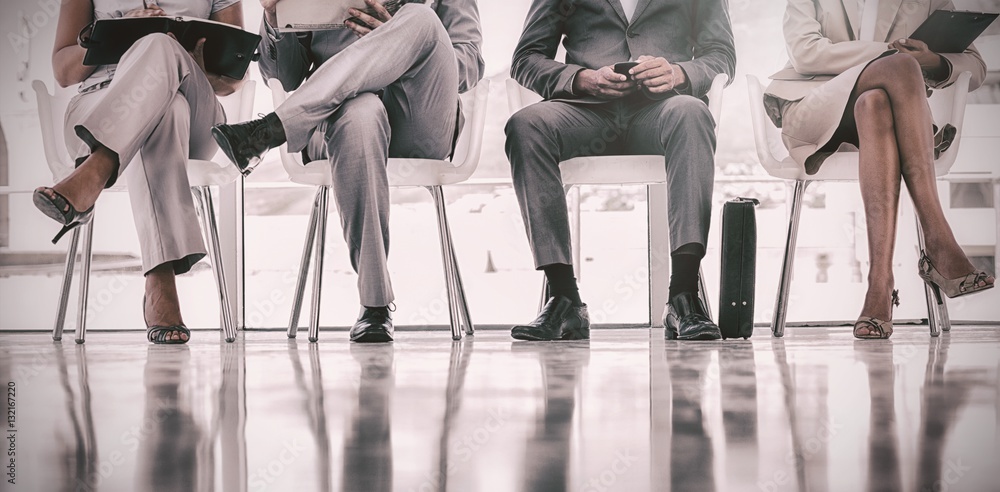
(687, 319)
(246, 143)
(374, 326)
(559, 320)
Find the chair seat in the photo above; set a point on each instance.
(614, 169)
(841, 166)
(402, 172)
(210, 173)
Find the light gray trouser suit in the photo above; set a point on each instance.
(541, 135)
(158, 109)
(336, 114)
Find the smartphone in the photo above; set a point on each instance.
(624, 67)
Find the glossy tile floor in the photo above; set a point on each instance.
(624, 411)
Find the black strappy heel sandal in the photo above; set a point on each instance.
(59, 209)
(158, 334)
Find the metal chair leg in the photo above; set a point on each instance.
(307, 248)
(81, 315)
(937, 309)
(206, 208)
(67, 283)
(781, 303)
(449, 265)
(323, 205)
(463, 302)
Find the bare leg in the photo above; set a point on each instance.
(901, 79)
(82, 187)
(879, 177)
(162, 305)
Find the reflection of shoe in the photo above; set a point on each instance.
(58, 208)
(687, 319)
(374, 326)
(877, 329)
(246, 143)
(955, 287)
(558, 320)
(159, 334)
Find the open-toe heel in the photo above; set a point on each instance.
(877, 329)
(59, 209)
(159, 334)
(954, 287)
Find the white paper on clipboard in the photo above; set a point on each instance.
(319, 15)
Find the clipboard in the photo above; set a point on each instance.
(228, 49)
(952, 31)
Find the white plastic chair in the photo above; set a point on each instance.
(428, 173)
(201, 174)
(947, 107)
(618, 170)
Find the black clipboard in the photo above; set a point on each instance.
(952, 31)
(228, 49)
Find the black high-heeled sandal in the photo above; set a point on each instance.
(158, 334)
(59, 209)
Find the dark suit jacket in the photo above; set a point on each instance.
(694, 34)
(293, 57)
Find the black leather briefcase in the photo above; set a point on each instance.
(739, 258)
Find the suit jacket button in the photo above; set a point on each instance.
(631, 34)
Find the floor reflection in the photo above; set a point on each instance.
(625, 411)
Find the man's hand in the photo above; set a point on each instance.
(369, 23)
(657, 75)
(603, 83)
(930, 62)
(222, 86)
(270, 11)
(149, 9)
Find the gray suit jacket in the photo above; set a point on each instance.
(293, 57)
(694, 34)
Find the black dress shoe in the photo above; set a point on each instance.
(559, 320)
(374, 326)
(246, 143)
(687, 319)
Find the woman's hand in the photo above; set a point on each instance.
(381, 17)
(932, 63)
(270, 11)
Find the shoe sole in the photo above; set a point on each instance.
(372, 337)
(227, 149)
(702, 335)
(47, 207)
(531, 338)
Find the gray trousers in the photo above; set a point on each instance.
(541, 135)
(336, 114)
(157, 113)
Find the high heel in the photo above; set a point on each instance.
(157, 334)
(954, 287)
(59, 209)
(877, 329)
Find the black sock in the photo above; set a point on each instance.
(276, 131)
(685, 263)
(562, 282)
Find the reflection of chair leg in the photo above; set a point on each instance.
(88, 247)
(937, 309)
(67, 283)
(781, 303)
(206, 209)
(307, 248)
(324, 205)
(448, 262)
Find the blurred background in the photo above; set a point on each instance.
(493, 254)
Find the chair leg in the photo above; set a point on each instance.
(937, 309)
(81, 315)
(449, 265)
(307, 248)
(781, 303)
(703, 291)
(321, 220)
(206, 208)
(463, 302)
(67, 283)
